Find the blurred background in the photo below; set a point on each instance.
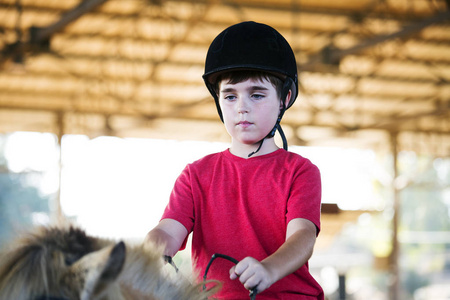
(102, 105)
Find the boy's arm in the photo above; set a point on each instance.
(169, 233)
(295, 252)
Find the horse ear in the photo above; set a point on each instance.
(115, 262)
(94, 273)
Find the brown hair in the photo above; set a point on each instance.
(237, 76)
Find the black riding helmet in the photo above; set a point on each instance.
(252, 46)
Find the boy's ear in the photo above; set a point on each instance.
(286, 102)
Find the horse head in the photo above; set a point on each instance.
(64, 263)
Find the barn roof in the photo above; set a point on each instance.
(368, 69)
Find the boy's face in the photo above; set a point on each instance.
(250, 109)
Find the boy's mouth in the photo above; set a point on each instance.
(244, 123)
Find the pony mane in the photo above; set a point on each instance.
(32, 261)
(36, 265)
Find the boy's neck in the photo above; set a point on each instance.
(243, 150)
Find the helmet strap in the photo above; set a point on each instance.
(259, 147)
(270, 135)
(283, 137)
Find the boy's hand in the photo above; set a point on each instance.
(252, 273)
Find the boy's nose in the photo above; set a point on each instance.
(242, 106)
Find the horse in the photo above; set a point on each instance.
(65, 263)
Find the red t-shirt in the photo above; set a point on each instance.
(241, 207)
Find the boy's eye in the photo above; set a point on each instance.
(229, 97)
(257, 96)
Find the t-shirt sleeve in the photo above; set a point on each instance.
(305, 195)
(180, 206)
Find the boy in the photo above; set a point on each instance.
(254, 202)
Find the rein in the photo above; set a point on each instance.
(253, 291)
(169, 260)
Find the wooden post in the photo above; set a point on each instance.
(60, 132)
(393, 266)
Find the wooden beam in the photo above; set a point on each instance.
(40, 34)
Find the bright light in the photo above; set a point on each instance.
(119, 188)
(347, 176)
(31, 151)
(35, 152)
